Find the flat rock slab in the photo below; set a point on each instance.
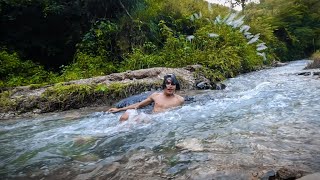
(315, 176)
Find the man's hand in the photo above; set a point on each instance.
(114, 110)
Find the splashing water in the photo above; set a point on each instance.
(262, 120)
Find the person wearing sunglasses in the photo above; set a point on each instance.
(167, 99)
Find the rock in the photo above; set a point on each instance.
(278, 64)
(177, 169)
(192, 144)
(193, 68)
(268, 175)
(287, 174)
(189, 99)
(86, 158)
(304, 73)
(109, 171)
(315, 176)
(218, 86)
(100, 172)
(203, 85)
(316, 73)
(80, 141)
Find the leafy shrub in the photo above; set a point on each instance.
(100, 39)
(15, 72)
(140, 60)
(86, 66)
(222, 50)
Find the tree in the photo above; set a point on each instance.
(47, 31)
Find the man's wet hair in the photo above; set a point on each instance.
(174, 81)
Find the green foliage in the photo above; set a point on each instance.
(140, 60)
(99, 41)
(86, 66)
(101, 88)
(102, 37)
(6, 103)
(225, 55)
(47, 31)
(15, 72)
(295, 23)
(228, 54)
(63, 93)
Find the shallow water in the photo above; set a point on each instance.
(262, 120)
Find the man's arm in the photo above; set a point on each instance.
(133, 106)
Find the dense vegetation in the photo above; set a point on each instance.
(52, 41)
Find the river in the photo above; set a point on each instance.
(263, 120)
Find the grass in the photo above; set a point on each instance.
(6, 104)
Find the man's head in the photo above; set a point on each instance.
(170, 83)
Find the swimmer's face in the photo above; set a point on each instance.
(170, 87)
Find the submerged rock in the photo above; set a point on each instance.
(192, 144)
(287, 173)
(315, 176)
(278, 64)
(203, 85)
(177, 169)
(304, 73)
(316, 73)
(268, 175)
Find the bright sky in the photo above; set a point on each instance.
(227, 3)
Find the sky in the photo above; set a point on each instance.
(227, 3)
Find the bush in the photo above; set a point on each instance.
(139, 60)
(86, 66)
(100, 39)
(222, 50)
(15, 72)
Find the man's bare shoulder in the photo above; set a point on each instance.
(180, 98)
(154, 95)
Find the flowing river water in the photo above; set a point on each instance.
(263, 120)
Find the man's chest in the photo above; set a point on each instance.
(164, 104)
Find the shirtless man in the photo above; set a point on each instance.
(164, 100)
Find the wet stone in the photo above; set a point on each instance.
(316, 73)
(192, 157)
(304, 73)
(192, 144)
(286, 173)
(269, 175)
(315, 176)
(203, 85)
(177, 169)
